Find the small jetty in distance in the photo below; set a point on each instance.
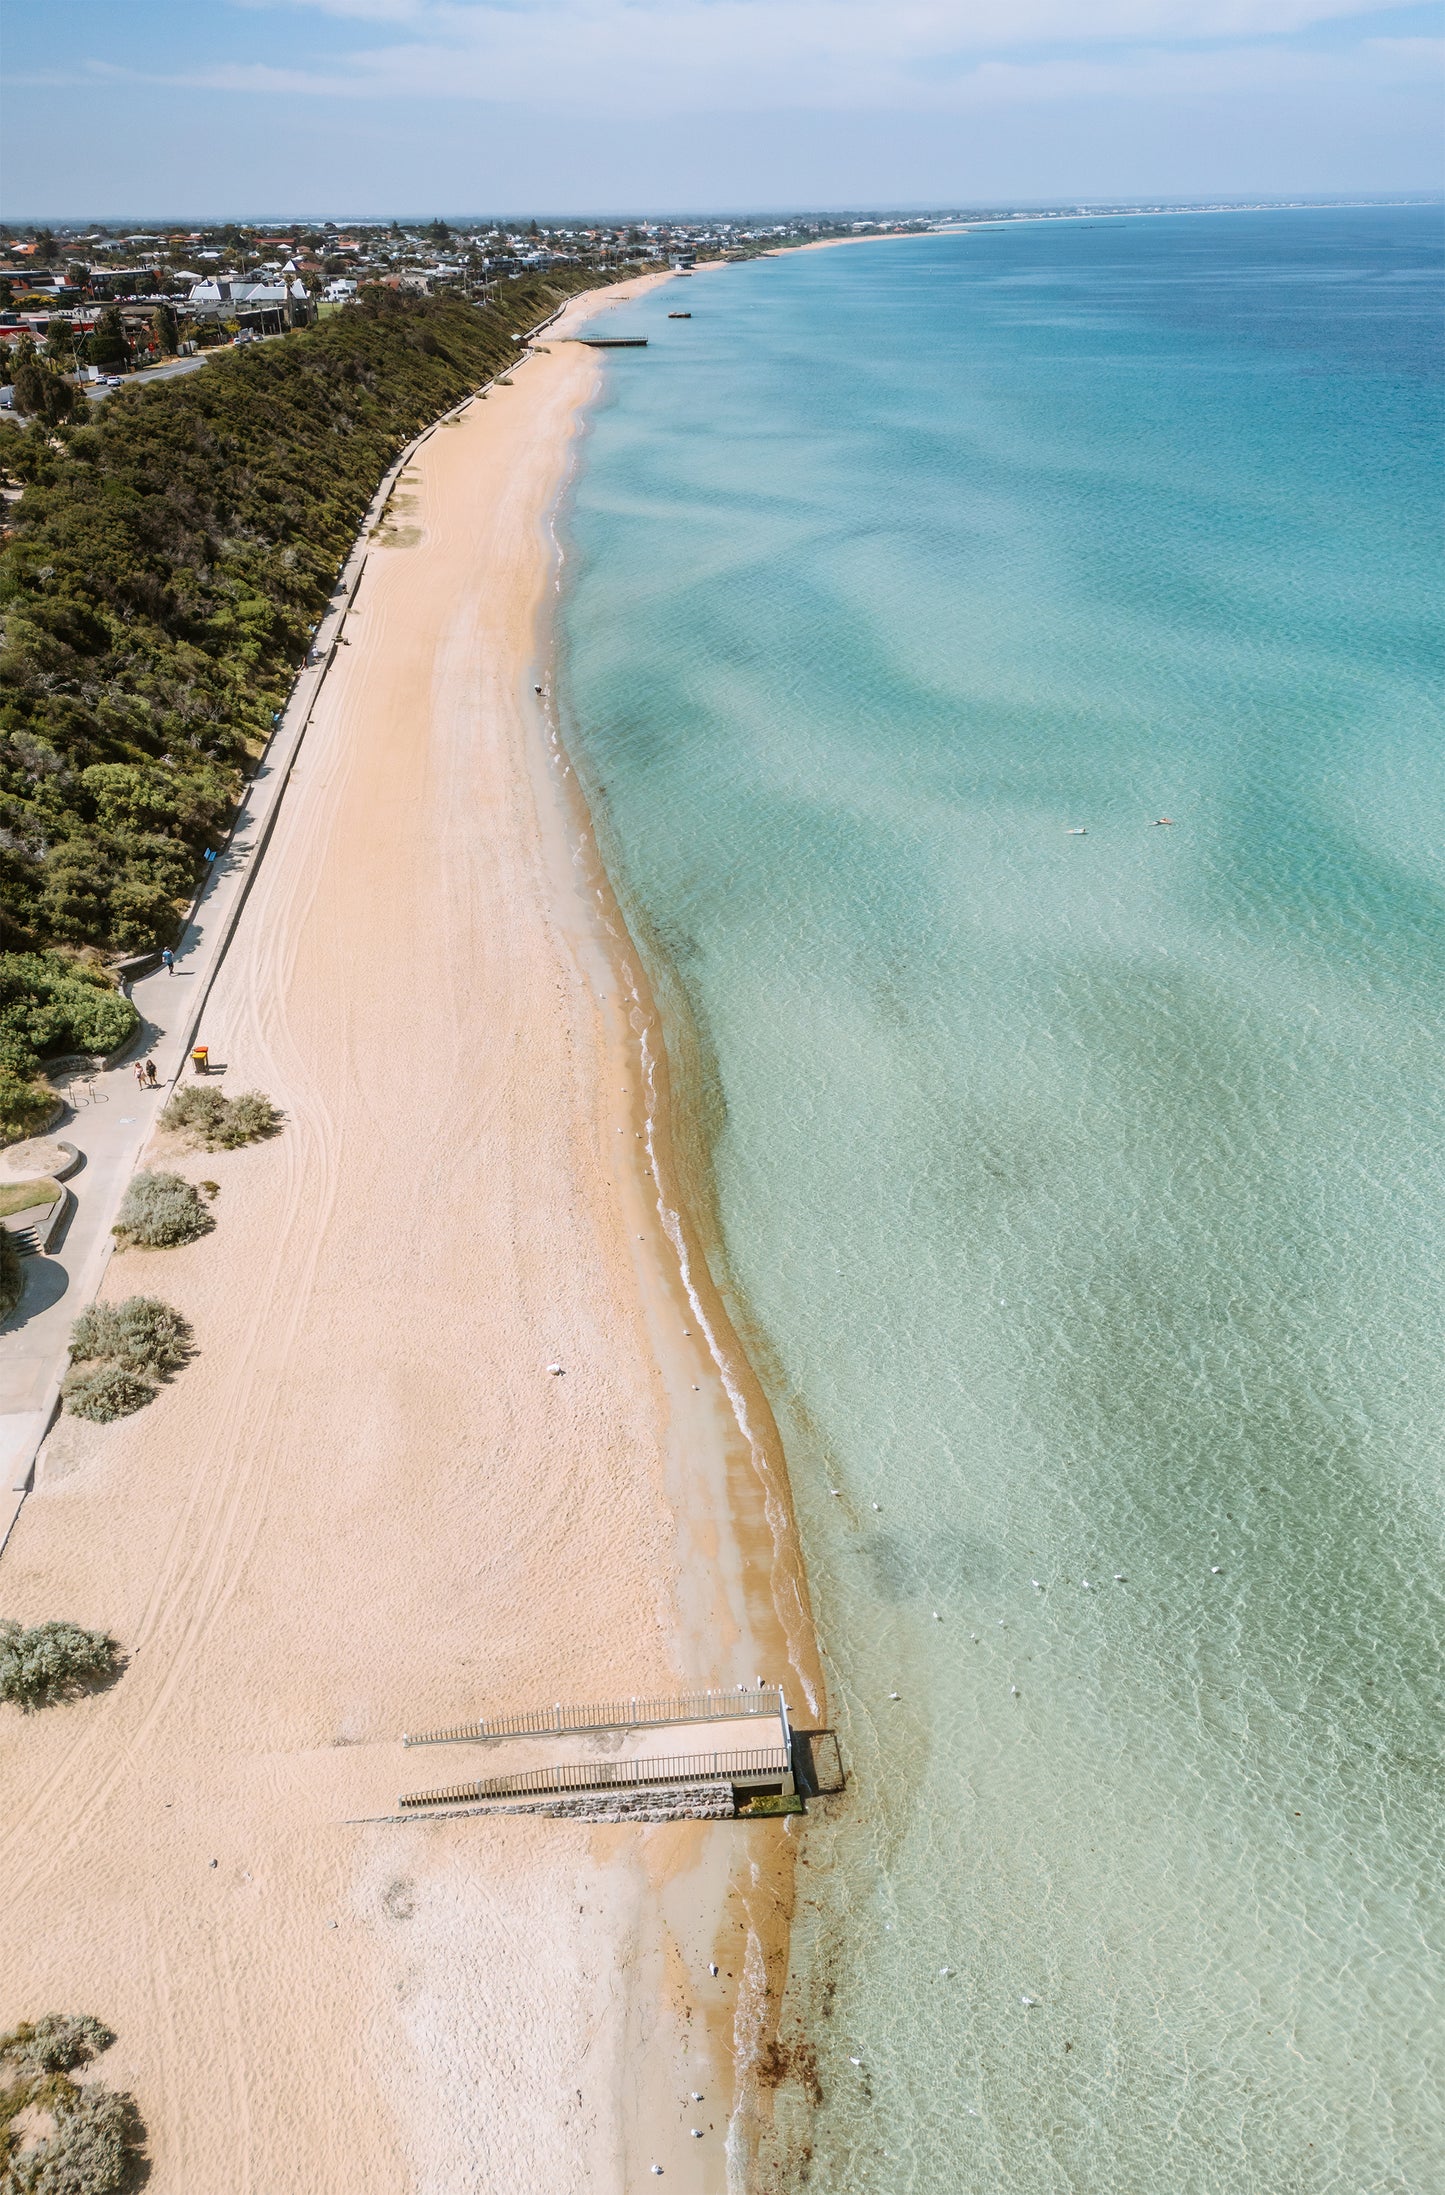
(613, 342)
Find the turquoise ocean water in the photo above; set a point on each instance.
(1083, 1194)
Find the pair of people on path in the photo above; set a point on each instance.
(145, 1074)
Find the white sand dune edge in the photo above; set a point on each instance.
(368, 1506)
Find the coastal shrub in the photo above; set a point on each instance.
(217, 1122)
(47, 1662)
(118, 1351)
(12, 1273)
(57, 2136)
(104, 1392)
(253, 1116)
(26, 1104)
(51, 1003)
(159, 1211)
(58, 2043)
(142, 1332)
(95, 2137)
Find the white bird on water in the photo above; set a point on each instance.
(1216, 1570)
(1036, 1585)
(1028, 2000)
(1118, 1577)
(1087, 1587)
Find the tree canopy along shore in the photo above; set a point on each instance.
(160, 578)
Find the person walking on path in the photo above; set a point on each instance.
(168, 961)
(151, 1082)
(140, 1075)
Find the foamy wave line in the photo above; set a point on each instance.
(749, 2025)
(672, 1227)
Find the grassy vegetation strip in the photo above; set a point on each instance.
(25, 1196)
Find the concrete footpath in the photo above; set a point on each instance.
(108, 1116)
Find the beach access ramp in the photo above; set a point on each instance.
(733, 1747)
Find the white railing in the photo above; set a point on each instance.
(631, 1714)
(608, 1776)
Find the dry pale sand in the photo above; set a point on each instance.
(367, 1506)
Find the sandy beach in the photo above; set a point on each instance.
(367, 1506)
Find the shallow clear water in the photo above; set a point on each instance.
(1083, 1193)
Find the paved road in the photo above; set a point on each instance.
(96, 390)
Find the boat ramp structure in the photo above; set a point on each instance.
(712, 1755)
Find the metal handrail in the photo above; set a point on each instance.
(607, 1776)
(631, 1714)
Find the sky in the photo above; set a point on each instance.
(244, 108)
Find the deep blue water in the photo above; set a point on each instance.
(1082, 1193)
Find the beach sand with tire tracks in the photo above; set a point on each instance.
(367, 1505)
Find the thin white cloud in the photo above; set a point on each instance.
(962, 25)
(633, 56)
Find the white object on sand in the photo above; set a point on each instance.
(713, 1971)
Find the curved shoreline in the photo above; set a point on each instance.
(758, 1494)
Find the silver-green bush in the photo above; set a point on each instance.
(159, 1211)
(104, 1392)
(81, 2140)
(43, 1663)
(220, 1123)
(57, 2043)
(141, 1332)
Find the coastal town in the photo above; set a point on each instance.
(99, 304)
